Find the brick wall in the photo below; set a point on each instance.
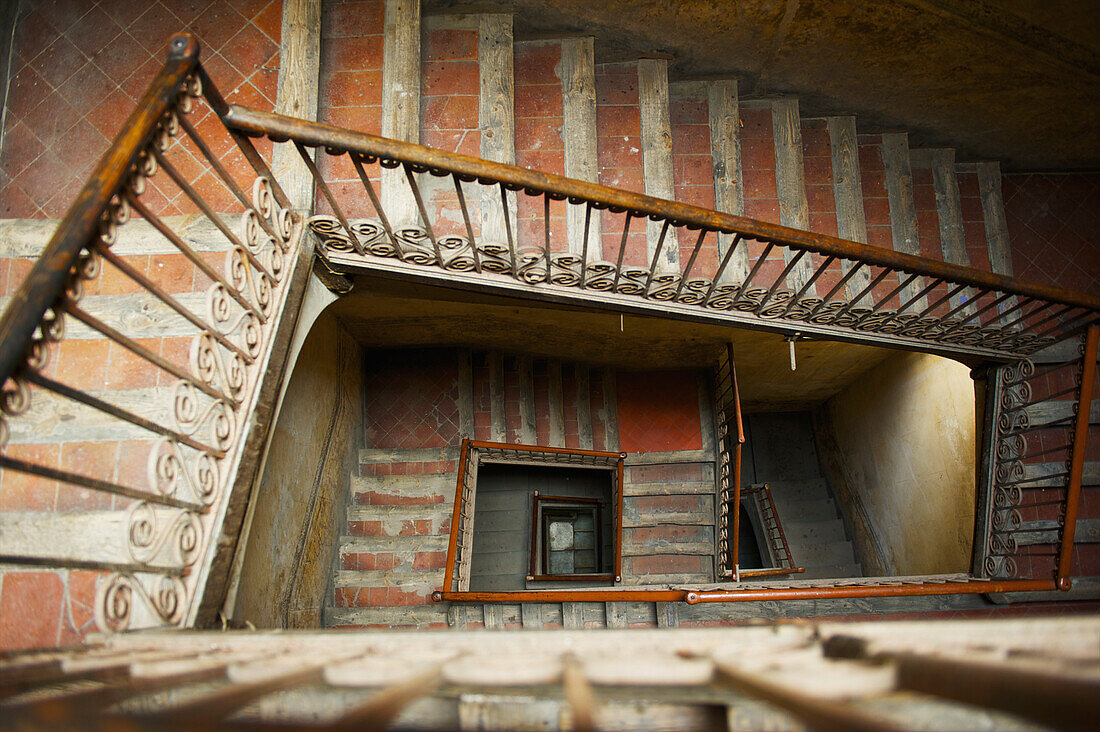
(78, 69)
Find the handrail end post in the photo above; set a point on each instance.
(183, 45)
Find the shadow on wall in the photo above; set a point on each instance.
(300, 500)
(899, 447)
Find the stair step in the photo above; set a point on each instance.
(831, 554)
(420, 616)
(821, 509)
(841, 570)
(393, 521)
(408, 543)
(813, 532)
(397, 490)
(799, 490)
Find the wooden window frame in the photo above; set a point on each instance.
(533, 575)
(474, 453)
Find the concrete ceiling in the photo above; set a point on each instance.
(1010, 80)
(383, 313)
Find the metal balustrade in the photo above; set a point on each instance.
(169, 520)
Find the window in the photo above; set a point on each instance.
(567, 539)
(530, 518)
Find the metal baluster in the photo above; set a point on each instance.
(365, 179)
(423, 213)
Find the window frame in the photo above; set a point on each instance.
(474, 453)
(540, 558)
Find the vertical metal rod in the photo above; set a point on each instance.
(357, 161)
(752, 273)
(951, 292)
(836, 288)
(691, 263)
(918, 296)
(1033, 313)
(802, 290)
(988, 307)
(722, 268)
(882, 303)
(736, 464)
(656, 255)
(584, 246)
(327, 193)
(466, 220)
(423, 213)
(508, 227)
(546, 231)
(622, 251)
(1077, 459)
(217, 103)
(781, 278)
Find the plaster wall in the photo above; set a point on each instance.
(899, 448)
(297, 520)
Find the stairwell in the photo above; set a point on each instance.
(782, 454)
(471, 83)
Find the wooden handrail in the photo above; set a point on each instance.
(50, 272)
(281, 128)
(1077, 459)
(978, 587)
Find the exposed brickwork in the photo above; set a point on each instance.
(658, 411)
(876, 205)
(40, 609)
(928, 220)
(973, 221)
(619, 145)
(693, 173)
(539, 145)
(351, 92)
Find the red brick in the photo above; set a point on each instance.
(30, 609)
(643, 534)
(430, 560)
(669, 564)
(652, 504)
(450, 44)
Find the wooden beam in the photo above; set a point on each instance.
(496, 115)
(9, 12)
(578, 132)
(496, 397)
(527, 433)
(657, 156)
(584, 408)
(851, 222)
(725, 151)
(790, 181)
(298, 96)
(557, 404)
(400, 100)
(903, 211)
(611, 409)
(996, 227)
(465, 394)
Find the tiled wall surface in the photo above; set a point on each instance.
(1053, 225)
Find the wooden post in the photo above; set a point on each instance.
(9, 12)
(851, 223)
(725, 150)
(298, 84)
(496, 115)
(657, 156)
(903, 212)
(578, 132)
(584, 408)
(400, 101)
(949, 211)
(790, 181)
(996, 228)
(1077, 458)
(557, 404)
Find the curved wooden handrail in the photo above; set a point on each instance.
(281, 128)
(47, 278)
